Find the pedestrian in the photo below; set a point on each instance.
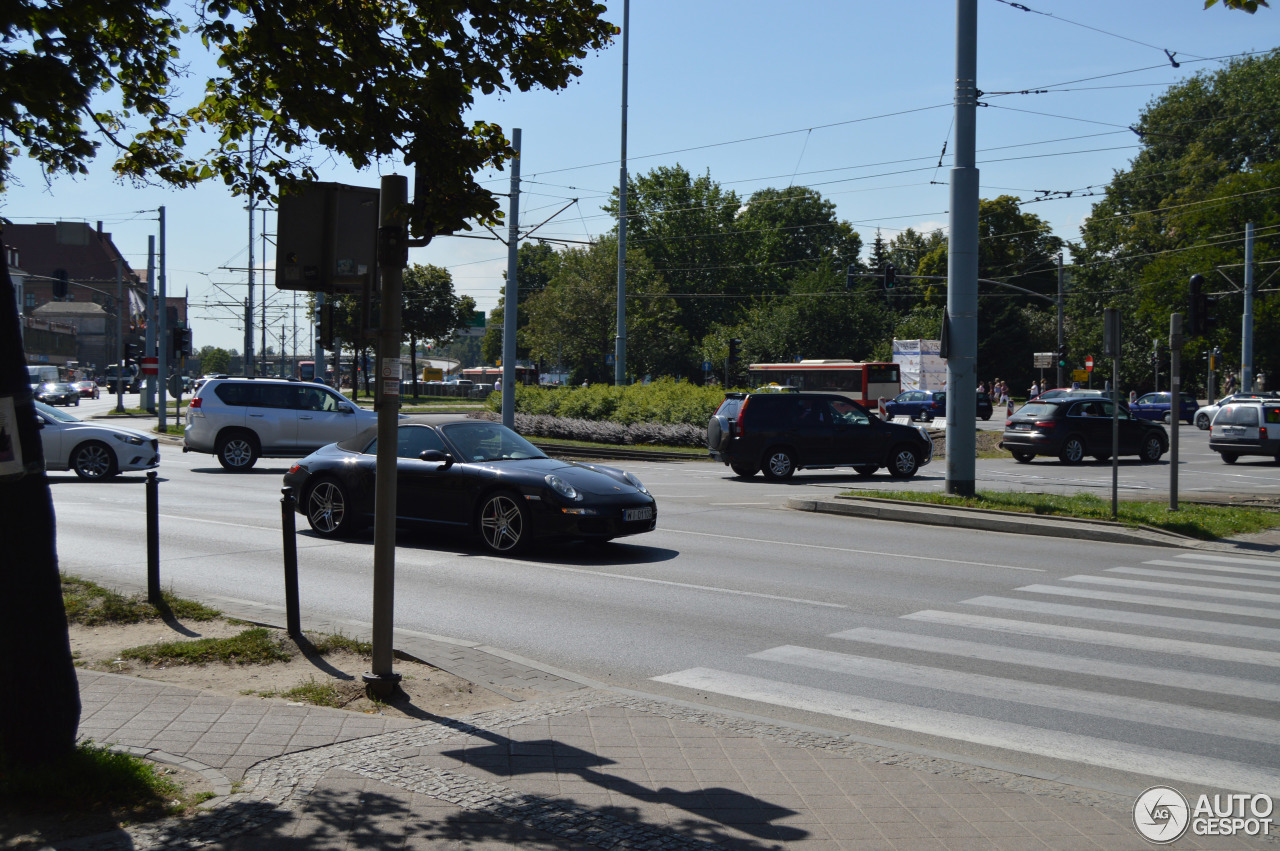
(982, 388)
(1260, 385)
(497, 385)
(1035, 389)
(1230, 386)
(585, 383)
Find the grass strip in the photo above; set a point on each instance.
(1205, 522)
(256, 646)
(90, 779)
(90, 604)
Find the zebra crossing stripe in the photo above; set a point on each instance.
(1220, 568)
(1149, 600)
(1198, 577)
(1272, 563)
(1071, 747)
(1039, 629)
(1229, 593)
(1060, 662)
(1088, 613)
(1137, 710)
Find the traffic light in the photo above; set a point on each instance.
(733, 349)
(890, 277)
(131, 353)
(1062, 356)
(1198, 307)
(185, 347)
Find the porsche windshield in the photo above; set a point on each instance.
(482, 441)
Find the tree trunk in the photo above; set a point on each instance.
(38, 722)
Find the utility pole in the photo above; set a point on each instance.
(1175, 408)
(620, 348)
(164, 339)
(511, 304)
(119, 338)
(265, 369)
(1061, 339)
(149, 395)
(393, 255)
(962, 263)
(1246, 322)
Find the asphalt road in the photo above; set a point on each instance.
(1109, 664)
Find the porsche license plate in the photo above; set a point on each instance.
(637, 514)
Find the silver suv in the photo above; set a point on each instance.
(1246, 428)
(243, 419)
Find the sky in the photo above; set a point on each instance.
(850, 97)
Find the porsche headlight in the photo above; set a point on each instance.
(635, 482)
(563, 488)
(128, 438)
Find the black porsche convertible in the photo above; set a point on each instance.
(473, 476)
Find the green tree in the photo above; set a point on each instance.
(573, 321)
(432, 311)
(213, 359)
(536, 263)
(787, 233)
(365, 82)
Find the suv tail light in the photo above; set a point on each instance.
(740, 427)
(1045, 424)
(194, 403)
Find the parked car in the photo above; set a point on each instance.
(87, 389)
(472, 476)
(780, 433)
(1072, 428)
(928, 405)
(243, 419)
(1158, 406)
(92, 450)
(1250, 427)
(1204, 415)
(58, 394)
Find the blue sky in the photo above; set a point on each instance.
(852, 98)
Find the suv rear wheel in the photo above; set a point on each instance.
(779, 463)
(903, 463)
(237, 451)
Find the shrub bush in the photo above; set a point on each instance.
(666, 401)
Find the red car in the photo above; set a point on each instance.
(86, 389)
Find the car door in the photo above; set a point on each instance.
(52, 441)
(1152, 406)
(324, 417)
(425, 490)
(1092, 421)
(857, 439)
(272, 417)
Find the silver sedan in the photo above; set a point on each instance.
(92, 450)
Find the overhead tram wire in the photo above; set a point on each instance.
(1020, 7)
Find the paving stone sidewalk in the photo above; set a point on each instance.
(588, 768)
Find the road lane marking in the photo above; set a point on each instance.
(1220, 568)
(1128, 641)
(1070, 747)
(1199, 577)
(851, 550)
(1135, 709)
(1197, 590)
(1190, 680)
(1150, 600)
(1218, 628)
(1269, 562)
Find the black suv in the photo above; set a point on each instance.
(780, 433)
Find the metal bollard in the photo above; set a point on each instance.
(293, 620)
(153, 539)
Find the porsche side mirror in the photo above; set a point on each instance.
(442, 458)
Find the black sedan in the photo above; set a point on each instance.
(56, 393)
(473, 476)
(1072, 428)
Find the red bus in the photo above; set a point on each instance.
(491, 374)
(865, 382)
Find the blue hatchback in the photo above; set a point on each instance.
(918, 404)
(1156, 406)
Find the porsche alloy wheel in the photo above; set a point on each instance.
(504, 523)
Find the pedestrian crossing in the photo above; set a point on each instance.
(1169, 668)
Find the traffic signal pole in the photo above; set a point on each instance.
(119, 339)
(962, 264)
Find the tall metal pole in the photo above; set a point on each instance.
(149, 397)
(511, 302)
(263, 300)
(620, 348)
(962, 263)
(119, 338)
(1062, 340)
(248, 318)
(393, 253)
(1246, 322)
(164, 339)
(1175, 406)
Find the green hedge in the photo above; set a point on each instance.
(665, 401)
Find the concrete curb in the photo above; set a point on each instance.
(993, 521)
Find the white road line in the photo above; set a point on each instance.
(1071, 747)
(895, 555)
(1205, 627)
(1135, 709)
(1198, 577)
(1061, 662)
(1038, 629)
(604, 575)
(724, 504)
(1169, 587)
(1217, 568)
(1148, 600)
(1269, 562)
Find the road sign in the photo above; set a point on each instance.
(1088, 364)
(151, 366)
(1042, 360)
(1079, 375)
